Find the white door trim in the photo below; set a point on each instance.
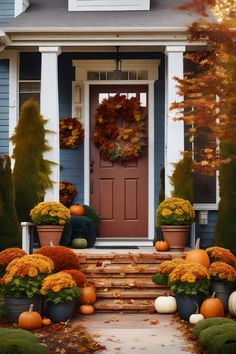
(151, 162)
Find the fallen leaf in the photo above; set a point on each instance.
(131, 301)
(154, 322)
(115, 319)
(118, 302)
(105, 263)
(98, 264)
(116, 293)
(122, 275)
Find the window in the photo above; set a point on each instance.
(111, 75)
(29, 89)
(108, 5)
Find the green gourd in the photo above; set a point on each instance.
(79, 243)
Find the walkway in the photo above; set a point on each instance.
(136, 333)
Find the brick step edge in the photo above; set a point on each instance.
(125, 283)
(129, 294)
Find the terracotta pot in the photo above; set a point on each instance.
(49, 234)
(176, 236)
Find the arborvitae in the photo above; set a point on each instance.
(161, 197)
(31, 172)
(9, 225)
(182, 179)
(225, 234)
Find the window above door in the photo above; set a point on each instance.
(108, 5)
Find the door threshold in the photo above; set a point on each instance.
(131, 241)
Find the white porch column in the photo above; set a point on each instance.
(49, 108)
(174, 131)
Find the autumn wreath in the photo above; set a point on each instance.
(119, 131)
(71, 133)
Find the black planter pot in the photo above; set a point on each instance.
(222, 292)
(186, 306)
(14, 306)
(61, 312)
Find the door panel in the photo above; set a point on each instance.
(119, 191)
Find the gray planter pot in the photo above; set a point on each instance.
(186, 306)
(222, 292)
(61, 312)
(14, 306)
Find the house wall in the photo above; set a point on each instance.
(7, 8)
(72, 161)
(4, 106)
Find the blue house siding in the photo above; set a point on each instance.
(4, 106)
(7, 8)
(206, 232)
(72, 161)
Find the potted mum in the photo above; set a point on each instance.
(223, 278)
(220, 254)
(175, 215)
(21, 284)
(50, 218)
(189, 282)
(61, 294)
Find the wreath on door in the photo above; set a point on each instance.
(121, 141)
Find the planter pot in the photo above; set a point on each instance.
(222, 292)
(61, 312)
(14, 306)
(49, 234)
(176, 236)
(186, 306)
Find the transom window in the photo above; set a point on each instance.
(112, 75)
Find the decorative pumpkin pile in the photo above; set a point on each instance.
(216, 263)
(52, 272)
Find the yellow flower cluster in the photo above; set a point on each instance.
(125, 133)
(56, 282)
(30, 265)
(189, 272)
(221, 254)
(50, 213)
(175, 211)
(222, 271)
(167, 266)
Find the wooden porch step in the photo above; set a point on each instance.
(129, 305)
(134, 294)
(125, 283)
(119, 269)
(140, 258)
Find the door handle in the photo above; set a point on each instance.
(91, 185)
(91, 166)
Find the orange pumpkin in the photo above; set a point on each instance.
(87, 295)
(30, 319)
(198, 256)
(46, 321)
(77, 210)
(212, 307)
(86, 309)
(162, 246)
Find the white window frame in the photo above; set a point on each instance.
(108, 5)
(21, 6)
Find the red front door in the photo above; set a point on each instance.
(119, 192)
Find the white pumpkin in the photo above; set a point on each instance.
(232, 304)
(165, 304)
(195, 318)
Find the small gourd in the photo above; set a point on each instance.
(46, 321)
(77, 210)
(30, 319)
(232, 304)
(86, 309)
(165, 304)
(87, 295)
(196, 317)
(162, 246)
(79, 243)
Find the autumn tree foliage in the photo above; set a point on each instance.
(209, 106)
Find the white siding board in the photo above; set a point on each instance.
(108, 5)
